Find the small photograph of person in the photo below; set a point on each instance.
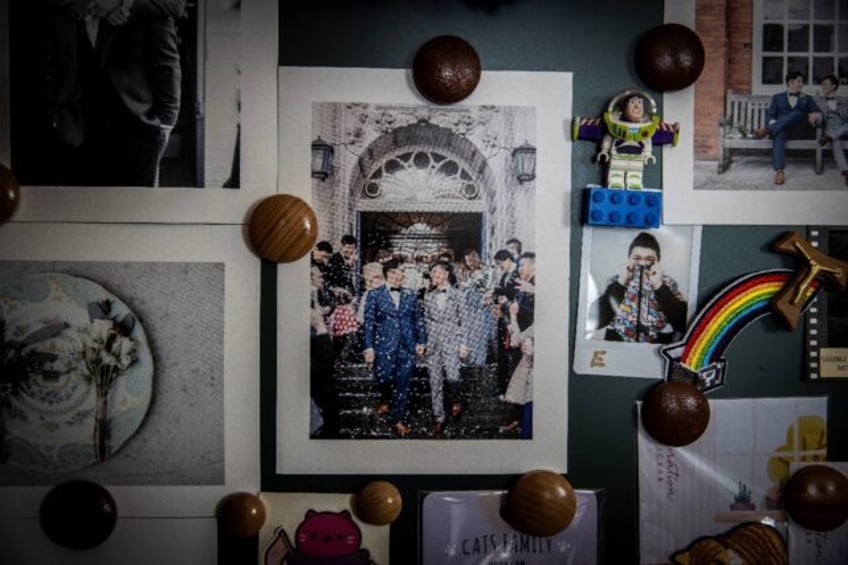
(637, 288)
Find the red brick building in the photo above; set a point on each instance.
(726, 30)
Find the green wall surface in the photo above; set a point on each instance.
(595, 41)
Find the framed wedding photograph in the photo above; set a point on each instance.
(139, 112)
(437, 219)
(729, 169)
(827, 318)
(121, 366)
(638, 291)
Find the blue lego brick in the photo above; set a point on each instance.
(624, 208)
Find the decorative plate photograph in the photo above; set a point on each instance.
(77, 372)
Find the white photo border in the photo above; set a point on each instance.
(258, 153)
(619, 359)
(296, 453)
(685, 205)
(220, 244)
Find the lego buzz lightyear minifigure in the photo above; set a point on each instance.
(627, 133)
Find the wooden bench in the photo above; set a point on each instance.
(744, 114)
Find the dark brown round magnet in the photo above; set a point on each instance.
(282, 228)
(78, 514)
(670, 57)
(446, 69)
(241, 514)
(816, 497)
(10, 193)
(675, 413)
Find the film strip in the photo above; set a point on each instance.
(827, 318)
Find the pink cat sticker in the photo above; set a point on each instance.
(322, 538)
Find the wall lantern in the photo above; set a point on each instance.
(322, 159)
(524, 162)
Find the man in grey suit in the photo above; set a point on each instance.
(835, 121)
(445, 343)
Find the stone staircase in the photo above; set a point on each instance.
(482, 418)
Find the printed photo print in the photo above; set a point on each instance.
(772, 101)
(637, 293)
(125, 94)
(104, 380)
(423, 278)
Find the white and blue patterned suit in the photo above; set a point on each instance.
(393, 332)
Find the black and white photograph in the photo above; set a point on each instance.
(119, 94)
(143, 110)
(765, 142)
(637, 293)
(120, 367)
(425, 317)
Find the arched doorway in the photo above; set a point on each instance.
(421, 192)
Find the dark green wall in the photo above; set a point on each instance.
(595, 41)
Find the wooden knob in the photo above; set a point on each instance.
(282, 228)
(446, 69)
(378, 503)
(670, 57)
(675, 413)
(78, 514)
(241, 514)
(542, 503)
(10, 194)
(816, 497)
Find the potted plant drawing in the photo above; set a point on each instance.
(19, 362)
(742, 499)
(107, 351)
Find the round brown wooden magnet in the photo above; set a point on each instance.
(670, 57)
(78, 514)
(242, 514)
(282, 228)
(542, 503)
(446, 69)
(675, 413)
(378, 503)
(816, 497)
(10, 193)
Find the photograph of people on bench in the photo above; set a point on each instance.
(772, 106)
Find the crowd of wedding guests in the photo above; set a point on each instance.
(447, 312)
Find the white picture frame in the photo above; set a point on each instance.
(551, 94)
(172, 243)
(258, 154)
(603, 255)
(683, 204)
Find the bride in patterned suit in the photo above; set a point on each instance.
(445, 343)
